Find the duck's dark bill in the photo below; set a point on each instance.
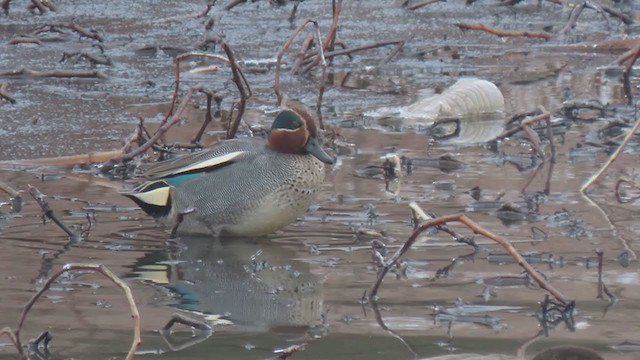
(314, 148)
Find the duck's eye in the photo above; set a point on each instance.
(296, 124)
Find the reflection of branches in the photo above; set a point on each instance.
(378, 316)
(15, 336)
(596, 176)
(551, 313)
(205, 332)
(478, 230)
(523, 348)
(12, 336)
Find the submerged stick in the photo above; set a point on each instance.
(477, 229)
(600, 255)
(627, 73)
(108, 274)
(166, 332)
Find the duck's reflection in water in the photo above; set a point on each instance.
(254, 284)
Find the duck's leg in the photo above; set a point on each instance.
(179, 219)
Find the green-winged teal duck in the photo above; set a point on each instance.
(240, 187)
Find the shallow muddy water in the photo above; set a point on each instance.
(305, 283)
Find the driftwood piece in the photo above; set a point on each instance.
(504, 33)
(25, 40)
(24, 72)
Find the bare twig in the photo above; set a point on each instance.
(5, 6)
(294, 10)
(477, 229)
(48, 212)
(207, 115)
(280, 55)
(398, 45)
(8, 189)
(233, 3)
(176, 91)
(319, 59)
(306, 45)
(205, 12)
(612, 158)
(627, 20)
(423, 4)
(573, 18)
(333, 29)
(91, 34)
(504, 33)
(161, 130)
(238, 78)
(243, 88)
(107, 273)
(25, 40)
(323, 78)
(544, 116)
(185, 320)
(626, 74)
(94, 59)
(37, 4)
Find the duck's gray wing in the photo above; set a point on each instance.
(217, 155)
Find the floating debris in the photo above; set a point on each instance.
(488, 321)
(628, 346)
(446, 163)
(466, 97)
(531, 258)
